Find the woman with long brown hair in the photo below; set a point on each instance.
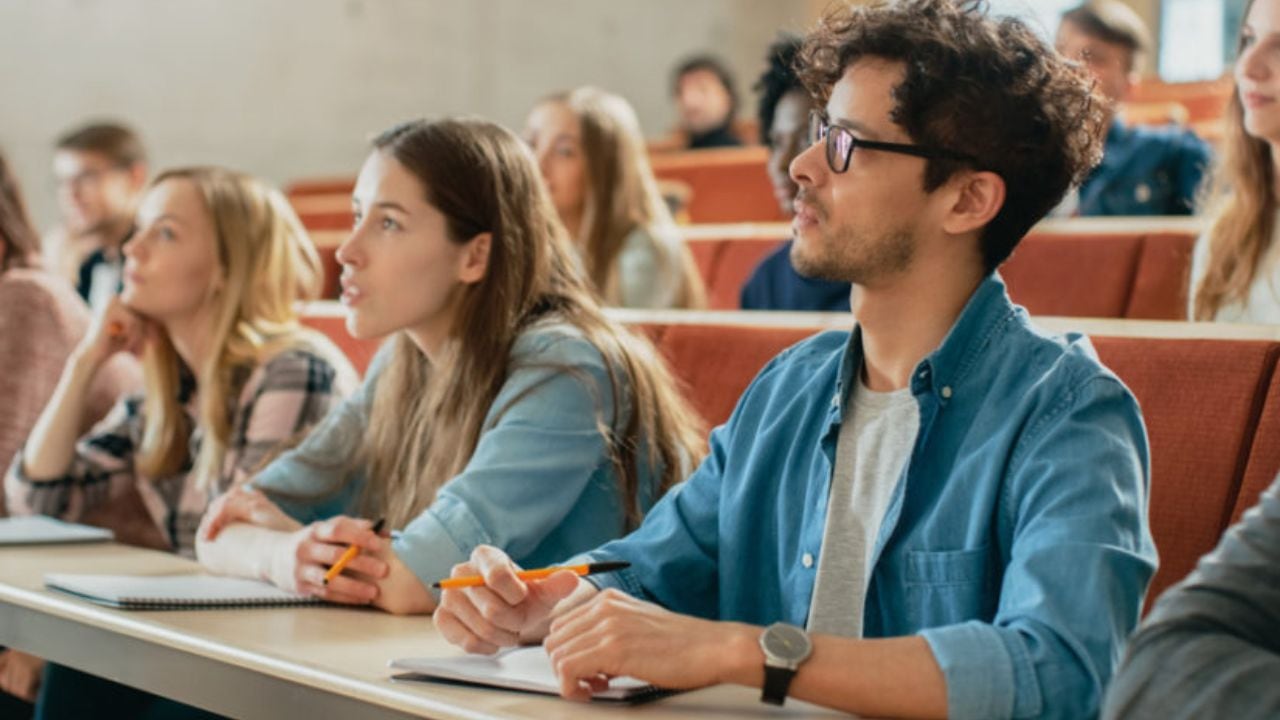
(593, 159)
(506, 409)
(1235, 275)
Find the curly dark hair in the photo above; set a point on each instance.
(987, 87)
(778, 79)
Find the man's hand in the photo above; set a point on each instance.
(614, 634)
(506, 610)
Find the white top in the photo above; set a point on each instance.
(876, 439)
(1262, 305)
(649, 269)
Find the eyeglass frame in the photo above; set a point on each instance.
(822, 130)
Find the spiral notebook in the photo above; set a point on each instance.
(527, 669)
(41, 530)
(174, 592)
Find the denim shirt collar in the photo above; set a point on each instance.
(942, 372)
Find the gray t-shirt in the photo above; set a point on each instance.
(876, 438)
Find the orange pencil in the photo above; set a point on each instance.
(336, 569)
(476, 580)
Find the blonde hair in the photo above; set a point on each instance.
(1243, 207)
(266, 263)
(622, 195)
(427, 414)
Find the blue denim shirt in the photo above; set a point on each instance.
(540, 484)
(1145, 171)
(1015, 542)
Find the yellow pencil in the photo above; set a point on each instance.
(477, 581)
(336, 569)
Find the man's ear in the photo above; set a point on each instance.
(978, 198)
(474, 262)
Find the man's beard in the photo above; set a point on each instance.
(844, 255)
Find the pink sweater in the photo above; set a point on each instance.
(41, 320)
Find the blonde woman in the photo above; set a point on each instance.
(506, 410)
(593, 160)
(1235, 274)
(212, 276)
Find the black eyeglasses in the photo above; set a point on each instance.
(841, 143)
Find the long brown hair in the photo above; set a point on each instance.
(21, 242)
(427, 414)
(1243, 207)
(622, 195)
(268, 264)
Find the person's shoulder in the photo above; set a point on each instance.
(1170, 138)
(27, 291)
(301, 367)
(555, 341)
(1051, 359)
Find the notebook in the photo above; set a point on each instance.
(41, 530)
(174, 592)
(527, 669)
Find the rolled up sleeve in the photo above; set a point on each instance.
(1079, 564)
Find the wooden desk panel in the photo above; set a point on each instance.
(277, 663)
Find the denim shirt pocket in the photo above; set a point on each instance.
(950, 586)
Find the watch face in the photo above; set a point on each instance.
(786, 642)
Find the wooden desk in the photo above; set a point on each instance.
(278, 663)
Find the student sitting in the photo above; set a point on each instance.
(706, 102)
(212, 277)
(507, 409)
(950, 499)
(593, 160)
(211, 281)
(784, 127)
(101, 171)
(1211, 646)
(1144, 170)
(1235, 272)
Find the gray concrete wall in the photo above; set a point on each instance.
(292, 88)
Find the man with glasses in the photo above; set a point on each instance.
(942, 513)
(100, 171)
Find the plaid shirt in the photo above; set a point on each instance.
(280, 400)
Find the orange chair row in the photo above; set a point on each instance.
(1211, 405)
(1055, 271)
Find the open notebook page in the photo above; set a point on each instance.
(525, 668)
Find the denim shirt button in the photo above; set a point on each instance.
(946, 392)
(807, 560)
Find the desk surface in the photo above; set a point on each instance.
(281, 662)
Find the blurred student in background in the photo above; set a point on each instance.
(707, 102)
(101, 172)
(1234, 273)
(1144, 170)
(592, 157)
(784, 111)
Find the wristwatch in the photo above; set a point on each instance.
(785, 647)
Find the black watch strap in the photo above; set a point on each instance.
(776, 682)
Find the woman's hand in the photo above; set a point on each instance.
(318, 546)
(244, 504)
(116, 329)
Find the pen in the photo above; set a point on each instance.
(591, 569)
(349, 555)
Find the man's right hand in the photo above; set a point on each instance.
(506, 610)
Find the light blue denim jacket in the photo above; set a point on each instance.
(540, 484)
(1015, 542)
